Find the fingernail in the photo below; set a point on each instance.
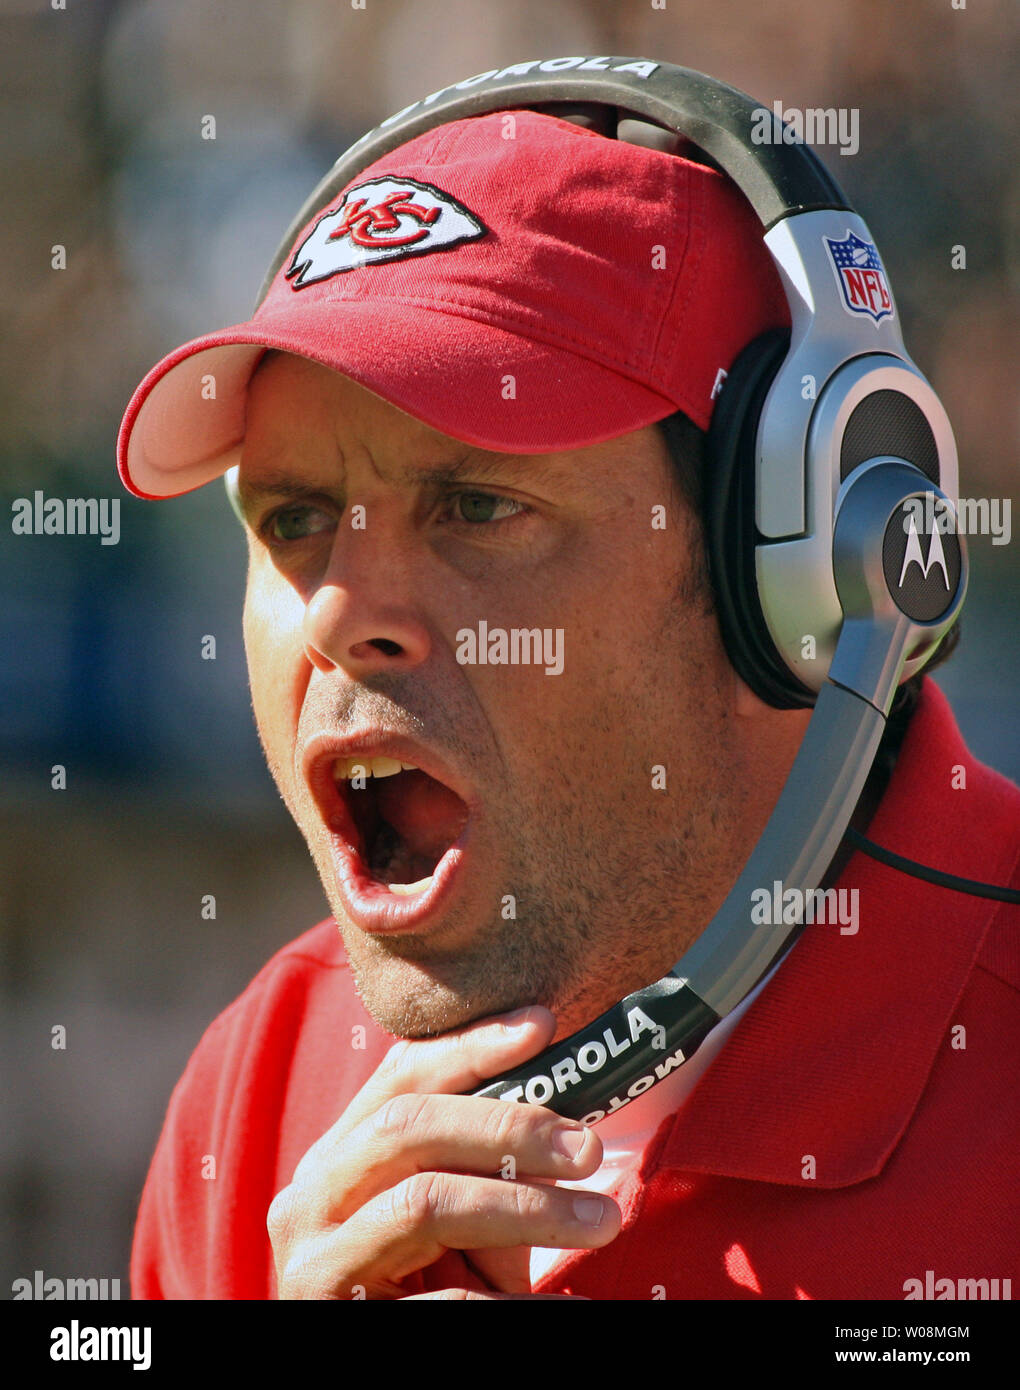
(589, 1210)
(517, 1019)
(569, 1142)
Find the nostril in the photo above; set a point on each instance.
(387, 647)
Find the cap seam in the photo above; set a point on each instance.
(670, 321)
(687, 281)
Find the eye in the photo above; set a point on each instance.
(297, 523)
(479, 507)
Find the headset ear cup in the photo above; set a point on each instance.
(730, 528)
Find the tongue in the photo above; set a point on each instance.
(426, 815)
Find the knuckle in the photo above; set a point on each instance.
(396, 1058)
(289, 1280)
(308, 1166)
(302, 1277)
(281, 1219)
(506, 1126)
(418, 1200)
(528, 1203)
(398, 1117)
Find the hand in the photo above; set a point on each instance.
(411, 1173)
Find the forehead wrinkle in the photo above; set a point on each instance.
(481, 465)
(267, 471)
(476, 465)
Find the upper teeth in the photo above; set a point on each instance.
(346, 768)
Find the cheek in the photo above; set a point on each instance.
(277, 668)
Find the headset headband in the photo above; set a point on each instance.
(778, 180)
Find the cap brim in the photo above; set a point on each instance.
(478, 383)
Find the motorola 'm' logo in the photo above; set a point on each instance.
(921, 557)
(912, 555)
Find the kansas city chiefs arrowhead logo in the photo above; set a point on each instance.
(381, 220)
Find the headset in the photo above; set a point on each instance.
(830, 514)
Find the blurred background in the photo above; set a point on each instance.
(167, 236)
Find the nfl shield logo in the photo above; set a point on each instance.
(860, 276)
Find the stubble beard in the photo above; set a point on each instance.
(604, 903)
(598, 926)
(414, 991)
(607, 895)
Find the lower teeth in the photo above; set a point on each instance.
(408, 890)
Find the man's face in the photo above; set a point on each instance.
(568, 833)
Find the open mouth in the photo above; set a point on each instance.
(400, 822)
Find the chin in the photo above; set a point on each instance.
(477, 966)
(412, 1000)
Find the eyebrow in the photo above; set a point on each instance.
(273, 485)
(480, 465)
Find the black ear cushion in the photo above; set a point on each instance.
(730, 528)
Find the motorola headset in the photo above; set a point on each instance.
(823, 444)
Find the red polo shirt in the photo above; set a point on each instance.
(859, 1129)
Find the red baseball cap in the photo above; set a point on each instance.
(524, 285)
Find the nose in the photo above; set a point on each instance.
(364, 617)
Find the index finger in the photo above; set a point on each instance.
(451, 1063)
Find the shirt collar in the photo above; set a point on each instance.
(833, 1056)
